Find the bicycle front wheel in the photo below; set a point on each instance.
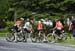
(10, 37)
(50, 37)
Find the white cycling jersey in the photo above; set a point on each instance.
(50, 23)
(27, 25)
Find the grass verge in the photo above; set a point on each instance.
(69, 41)
(2, 34)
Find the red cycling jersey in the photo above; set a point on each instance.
(59, 24)
(40, 25)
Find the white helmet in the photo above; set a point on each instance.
(27, 19)
(22, 19)
(42, 19)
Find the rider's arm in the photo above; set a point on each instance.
(30, 28)
(70, 26)
(62, 26)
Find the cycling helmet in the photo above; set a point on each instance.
(28, 19)
(22, 19)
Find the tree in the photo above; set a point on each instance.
(3, 8)
(25, 8)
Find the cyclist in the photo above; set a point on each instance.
(58, 27)
(40, 30)
(17, 27)
(72, 27)
(40, 26)
(27, 28)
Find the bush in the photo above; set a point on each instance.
(9, 25)
(2, 24)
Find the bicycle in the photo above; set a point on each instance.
(10, 36)
(39, 36)
(29, 35)
(54, 37)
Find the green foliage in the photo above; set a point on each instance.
(42, 8)
(10, 24)
(3, 8)
(69, 41)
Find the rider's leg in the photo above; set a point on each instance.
(15, 35)
(39, 32)
(25, 35)
(73, 32)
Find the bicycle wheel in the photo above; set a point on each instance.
(39, 38)
(50, 37)
(19, 36)
(10, 37)
(33, 39)
(25, 36)
(64, 36)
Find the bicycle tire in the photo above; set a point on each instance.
(50, 37)
(39, 38)
(10, 37)
(19, 37)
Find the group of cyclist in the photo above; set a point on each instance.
(57, 25)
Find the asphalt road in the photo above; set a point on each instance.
(29, 46)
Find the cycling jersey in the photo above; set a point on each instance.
(17, 26)
(27, 26)
(59, 25)
(40, 25)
